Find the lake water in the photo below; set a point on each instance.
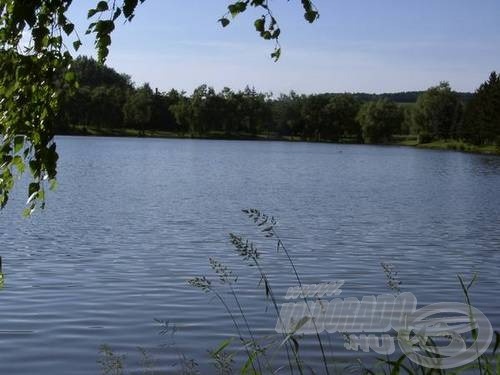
(133, 219)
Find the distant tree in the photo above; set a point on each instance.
(91, 73)
(407, 126)
(341, 112)
(99, 98)
(162, 117)
(202, 111)
(287, 114)
(438, 113)
(255, 113)
(230, 108)
(380, 120)
(137, 109)
(182, 112)
(75, 109)
(105, 107)
(315, 119)
(482, 115)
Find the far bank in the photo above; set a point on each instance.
(398, 140)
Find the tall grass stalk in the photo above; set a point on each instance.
(227, 277)
(268, 225)
(249, 252)
(465, 290)
(206, 285)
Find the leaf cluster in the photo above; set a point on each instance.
(266, 25)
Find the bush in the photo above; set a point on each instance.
(424, 138)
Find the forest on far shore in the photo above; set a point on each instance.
(106, 99)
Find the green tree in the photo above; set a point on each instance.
(137, 108)
(162, 117)
(380, 120)
(254, 111)
(408, 127)
(482, 115)
(287, 114)
(315, 118)
(230, 117)
(75, 109)
(91, 73)
(34, 77)
(99, 98)
(342, 111)
(182, 114)
(438, 113)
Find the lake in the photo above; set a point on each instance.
(134, 219)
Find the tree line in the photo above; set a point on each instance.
(106, 99)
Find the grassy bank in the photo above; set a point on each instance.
(128, 132)
(450, 145)
(400, 140)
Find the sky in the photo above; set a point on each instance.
(356, 46)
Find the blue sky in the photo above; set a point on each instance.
(356, 45)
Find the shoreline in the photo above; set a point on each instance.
(453, 145)
(406, 141)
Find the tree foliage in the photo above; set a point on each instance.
(438, 113)
(342, 111)
(137, 110)
(36, 75)
(482, 115)
(110, 101)
(380, 120)
(107, 101)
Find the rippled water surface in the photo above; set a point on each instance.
(133, 219)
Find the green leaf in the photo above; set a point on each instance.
(224, 21)
(34, 167)
(102, 6)
(129, 7)
(311, 16)
(18, 163)
(70, 77)
(18, 143)
(223, 345)
(260, 24)
(117, 13)
(68, 28)
(28, 211)
(236, 8)
(33, 188)
(276, 54)
(90, 28)
(53, 185)
(307, 5)
(104, 27)
(91, 13)
(246, 367)
(102, 54)
(77, 44)
(32, 197)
